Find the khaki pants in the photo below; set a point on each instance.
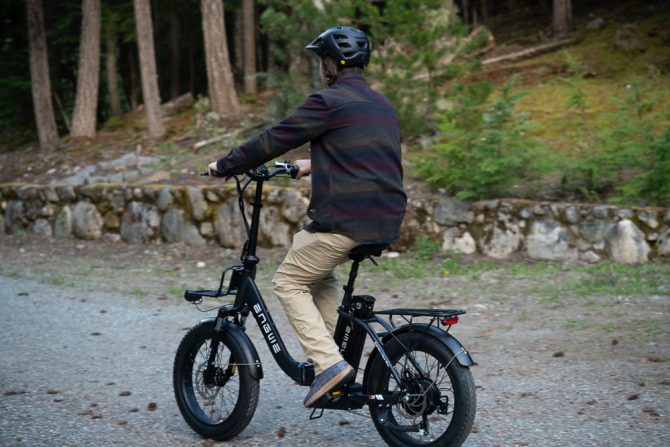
(307, 288)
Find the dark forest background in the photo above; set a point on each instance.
(528, 98)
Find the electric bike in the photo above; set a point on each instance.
(416, 382)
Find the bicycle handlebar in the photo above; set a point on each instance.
(262, 172)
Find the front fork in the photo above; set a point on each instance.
(213, 375)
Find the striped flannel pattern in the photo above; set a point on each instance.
(357, 187)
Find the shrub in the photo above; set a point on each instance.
(290, 25)
(485, 149)
(632, 161)
(417, 45)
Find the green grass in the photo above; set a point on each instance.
(619, 279)
(574, 325)
(604, 279)
(105, 255)
(610, 327)
(650, 329)
(454, 265)
(530, 268)
(55, 280)
(136, 291)
(424, 261)
(402, 268)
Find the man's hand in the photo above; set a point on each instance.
(212, 169)
(305, 168)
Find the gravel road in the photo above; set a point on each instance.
(69, 359)
(84, 367)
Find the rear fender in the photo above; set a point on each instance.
(251, 358)
(449, 341)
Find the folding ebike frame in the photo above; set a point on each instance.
(356, 316)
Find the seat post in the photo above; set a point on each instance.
(349, 288)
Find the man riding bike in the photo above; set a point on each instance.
(357, 192)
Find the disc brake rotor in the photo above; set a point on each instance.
(423, 398)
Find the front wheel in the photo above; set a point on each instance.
(219, 403)
(439, 407)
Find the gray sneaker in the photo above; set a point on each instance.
(337, 375)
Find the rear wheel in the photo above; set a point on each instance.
(217, 405)
(439, 408)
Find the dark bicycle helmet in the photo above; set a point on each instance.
(348, 46)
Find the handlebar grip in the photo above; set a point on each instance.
(212, 174)
(294, 171)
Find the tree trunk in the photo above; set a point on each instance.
(562, 16)
(514, 6)
(238, 44)
(84, 118)
(249, 30)
(111, 70)
(145, 43)
(191, 63)
(220, 82)
(544, 6)
(132, 68)
(175, 53)
(465, 12)
(47, 132)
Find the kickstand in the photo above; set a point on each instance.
(312, 416)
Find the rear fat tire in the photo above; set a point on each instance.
(190, 361)
(462, 400)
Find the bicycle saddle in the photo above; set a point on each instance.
(365, 250)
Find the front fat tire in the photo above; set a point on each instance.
(462, 401)
(189, 395)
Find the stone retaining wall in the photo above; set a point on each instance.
(202, 215)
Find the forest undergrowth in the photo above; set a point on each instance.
(588, 122)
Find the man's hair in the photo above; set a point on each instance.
(332, 71)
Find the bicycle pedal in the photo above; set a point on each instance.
(344, 390)
(331, 396)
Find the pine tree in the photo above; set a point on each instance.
(221, 86)
(111, 61)
(249, 38)
(39, 75)
(84, 118)
(145, 43)
(175, 51)
(562, 17)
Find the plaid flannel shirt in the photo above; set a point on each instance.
(357, 187)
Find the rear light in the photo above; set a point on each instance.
(450, 320)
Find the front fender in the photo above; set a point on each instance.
(449, 341)
(251, 358)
